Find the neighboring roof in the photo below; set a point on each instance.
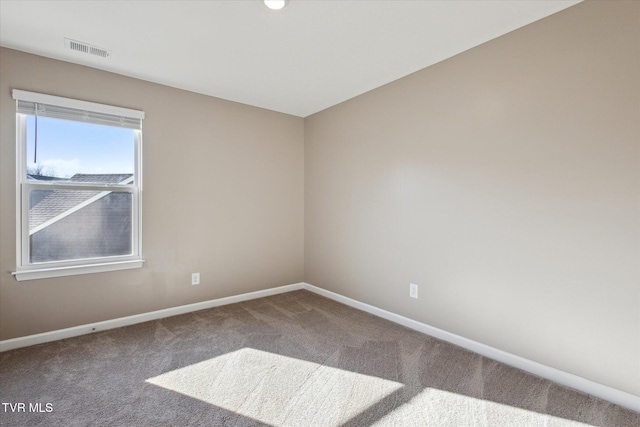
(45, 177)
(101, 178)
(59, 203)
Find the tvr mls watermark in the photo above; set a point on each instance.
(27, 407)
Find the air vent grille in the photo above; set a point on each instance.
(86, 48)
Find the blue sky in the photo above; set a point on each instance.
(68, 147)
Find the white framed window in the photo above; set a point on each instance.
(78, 186)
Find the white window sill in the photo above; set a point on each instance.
(45, 273)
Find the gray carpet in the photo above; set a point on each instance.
(295, 359)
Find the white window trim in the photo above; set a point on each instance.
(46, 273)
(26, 271)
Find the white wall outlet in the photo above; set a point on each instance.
(413, 290)
(195, 278)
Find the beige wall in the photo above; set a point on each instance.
(223, 196)
(503, 181)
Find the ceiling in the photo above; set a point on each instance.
(300, 60)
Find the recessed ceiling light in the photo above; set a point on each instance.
(275, 4)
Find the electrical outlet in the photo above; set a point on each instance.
(195, 278)
(413, 290)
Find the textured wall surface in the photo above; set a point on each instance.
(504, 182)
(223, 196)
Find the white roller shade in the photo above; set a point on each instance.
(71, 109)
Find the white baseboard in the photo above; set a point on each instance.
(607, 393)
(139, 318)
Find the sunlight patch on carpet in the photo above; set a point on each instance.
(444, 408)
(276, 389)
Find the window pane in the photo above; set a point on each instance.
(66, 150)
(79, 224)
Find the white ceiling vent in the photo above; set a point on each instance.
(86, 48)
